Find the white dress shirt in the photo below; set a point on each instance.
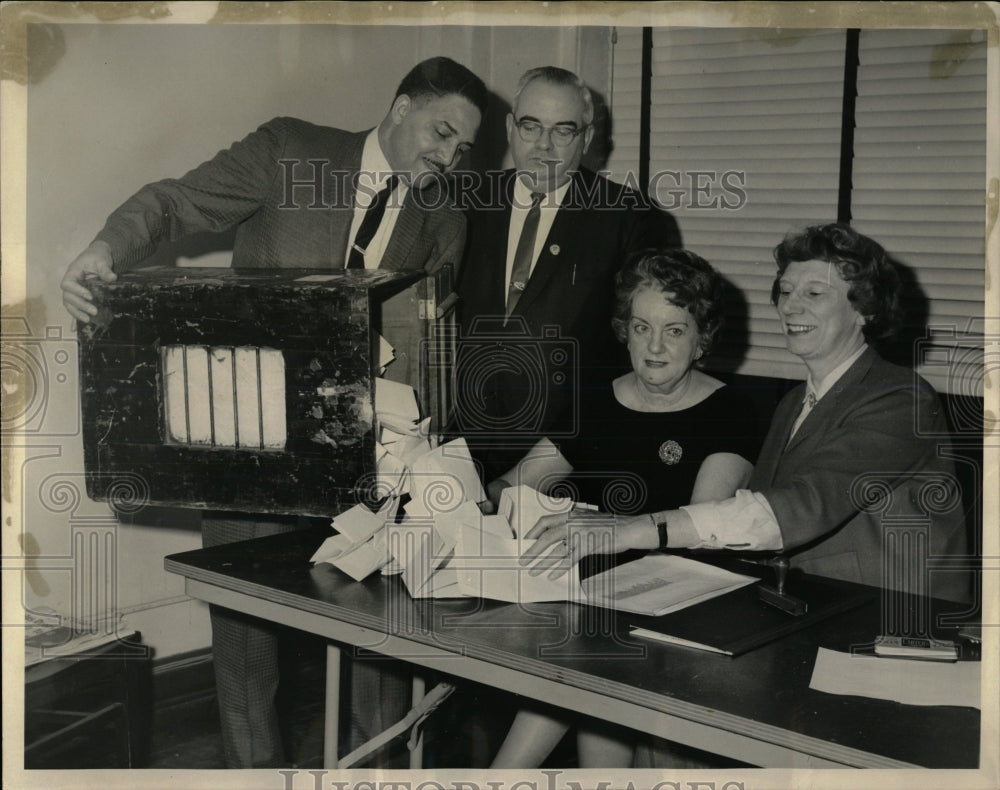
(549, 206)
(746, 520)
(375, 171)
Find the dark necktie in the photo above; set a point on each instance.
(369, 225)
(524, 253)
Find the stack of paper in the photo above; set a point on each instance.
(402, 436)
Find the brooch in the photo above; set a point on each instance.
(670, 452)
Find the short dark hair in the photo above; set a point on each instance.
(689, 279)
(442, 76)
(862, 263)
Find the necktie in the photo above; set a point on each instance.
(807, 406)
(369, 225)
(524, 253)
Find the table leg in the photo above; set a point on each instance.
(331, 722)
(417, 752)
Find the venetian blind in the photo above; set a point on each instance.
(745, 146)
(920, 185)
(625, 104)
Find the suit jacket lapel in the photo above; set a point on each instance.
(773, 449)
(347, 160)
(495, 226)
(402, 242)
(827, 405)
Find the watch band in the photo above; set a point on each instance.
(661, 531)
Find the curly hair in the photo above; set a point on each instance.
(862, 263)
(688, 280)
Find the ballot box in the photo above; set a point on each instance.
(251, 389)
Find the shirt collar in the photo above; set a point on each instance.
(374, 164)
(522, 195)
(821, 388)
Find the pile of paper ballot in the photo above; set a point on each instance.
(444, 546)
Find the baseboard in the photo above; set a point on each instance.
(183, 679)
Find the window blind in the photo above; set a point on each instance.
(745, 146)
(920, 185)
(626, 105)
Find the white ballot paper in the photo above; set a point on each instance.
(522, 506)
(359, 549)
(363, 559)
(444, 478)
(488, 565)
(401, 439)
(396, 399)
(420, 550)
(386, 354)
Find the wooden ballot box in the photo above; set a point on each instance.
(251, 389)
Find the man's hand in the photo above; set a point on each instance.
(95, 261)
(563, 539)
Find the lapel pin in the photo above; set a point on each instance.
(554, 249)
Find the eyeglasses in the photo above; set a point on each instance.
(531, 131)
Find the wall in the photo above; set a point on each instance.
(111, 107)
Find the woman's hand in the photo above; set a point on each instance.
(563, 539)
(493, 490)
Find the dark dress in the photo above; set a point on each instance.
(628, 462)
(616, 458)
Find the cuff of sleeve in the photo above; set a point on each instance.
(123, 253)
(744, 521)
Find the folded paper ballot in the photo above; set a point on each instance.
(488, 566)
(444, 478)
(392, 397)
(522, 506)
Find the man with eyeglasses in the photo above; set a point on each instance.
(537, 277)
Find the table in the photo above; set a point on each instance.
(756, 708)
(90, 708)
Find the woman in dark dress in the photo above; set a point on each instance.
(664, 435)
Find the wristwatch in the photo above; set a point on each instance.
(661, 530)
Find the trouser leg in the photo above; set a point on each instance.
(245, 656)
